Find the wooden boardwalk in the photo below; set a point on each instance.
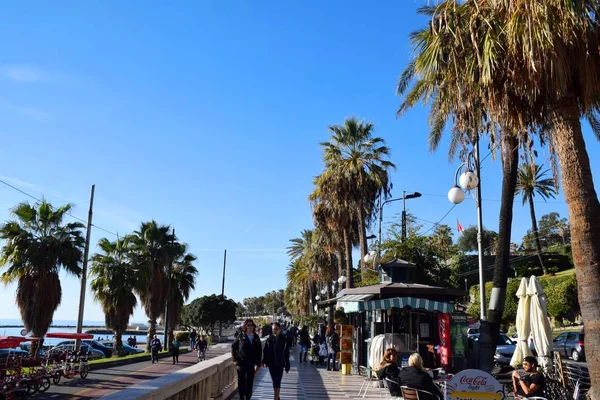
(311, 382)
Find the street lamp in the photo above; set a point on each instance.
(403, 198)
(469, 180)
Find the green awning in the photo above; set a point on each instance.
(412, 302)
(353, 303)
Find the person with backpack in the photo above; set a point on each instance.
(201, 346)
(155, 347)
(276, 357)
(333, 347)
(246, 351)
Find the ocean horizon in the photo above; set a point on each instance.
(62, 322)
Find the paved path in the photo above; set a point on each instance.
(309, 382)
(105, 381)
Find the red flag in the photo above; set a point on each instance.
(459, 226)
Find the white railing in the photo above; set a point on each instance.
(212, 379)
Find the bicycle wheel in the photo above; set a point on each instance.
(30, 386)
(84, 372)
(43, 384)
(56, 377)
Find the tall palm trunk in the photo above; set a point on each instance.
(362, 238)
(312, 302)
(584, 215)
(536, 235)
(118, 342)
(340, 261)
(510, 167)
(348, 254)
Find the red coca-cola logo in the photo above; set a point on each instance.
(474, 381)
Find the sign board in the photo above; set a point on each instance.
(346, 333)
(444, 335)
(458, 335)
(472, 384)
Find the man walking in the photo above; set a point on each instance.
(201, 347)
(193, 337)
(246, 351)
(155, 347)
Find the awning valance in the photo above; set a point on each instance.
(412, 302)
(352, 303)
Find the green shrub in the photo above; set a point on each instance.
(183, 336)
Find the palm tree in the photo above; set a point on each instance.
(448, 73)
(530, 182)
(361, 159)
(182, 282)
(151, 255)
(115, 281)
(544, 69)
(38, 245)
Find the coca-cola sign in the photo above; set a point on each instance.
(474, 384)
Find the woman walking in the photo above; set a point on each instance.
(175, 344)
(276, 357)
(246, 351)
(333, 347)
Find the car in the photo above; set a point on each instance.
(504, 348)
(57, 350)
(570, 344)
(94, 344)
(127, 349)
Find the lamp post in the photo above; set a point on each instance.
(469, 180)
(403, 198)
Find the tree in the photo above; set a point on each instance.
(38, 245)
(115, 281)
(207, 311)
(530, 182)
(554, 230)
(467, 242)
(240, 310)
(152, 252)
(182, 282)
(442, 240)
(361, 159)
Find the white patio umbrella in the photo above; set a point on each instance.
(540, 324)
(522, 323)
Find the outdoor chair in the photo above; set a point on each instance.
(388, 393)
(416, 394)
(369, 381)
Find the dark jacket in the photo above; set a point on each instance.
(391, 371)
(246, 353)
(276, 353)
(333, 342)
(417, 379)
(201, 345)
(304, 337)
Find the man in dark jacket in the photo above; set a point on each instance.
(304, 343)
(276, 356)
(246, 351)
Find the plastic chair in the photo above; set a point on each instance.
(416, 394)
(367, 374)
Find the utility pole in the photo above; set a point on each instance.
(170, 272)
(223, 291)
(86, 253)
(403, 215)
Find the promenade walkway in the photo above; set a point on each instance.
(309, 382)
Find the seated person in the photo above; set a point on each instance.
(531, 383)
(388, 368)
(414, 376)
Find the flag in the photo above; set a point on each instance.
(459, 226)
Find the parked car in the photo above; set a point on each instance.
(57, 350)
(570, 344)
(505, 348)
(94, 344)
(127, 349)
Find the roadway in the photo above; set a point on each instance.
(105, 381)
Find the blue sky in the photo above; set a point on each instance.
(207, 116)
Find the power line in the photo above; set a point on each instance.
(68, 213)
(440, 220)
(497, 200)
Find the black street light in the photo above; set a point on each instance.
(404, 197)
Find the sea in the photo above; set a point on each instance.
(67, 326)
